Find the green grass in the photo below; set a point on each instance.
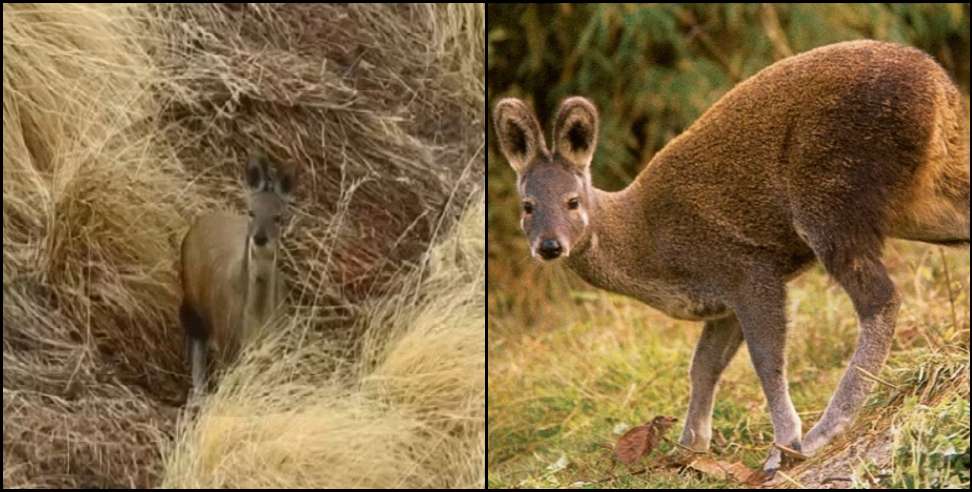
(568, 364)
(931, 449)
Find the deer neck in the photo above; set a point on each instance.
(628, 251)
(259, 289)
(617, 238)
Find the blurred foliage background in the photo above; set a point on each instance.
(652, 70)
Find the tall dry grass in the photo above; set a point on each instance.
(123, 122)
(379, 107)
(408, 413)
(91, 205)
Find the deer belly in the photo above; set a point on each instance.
(676, 299)
(679, 303)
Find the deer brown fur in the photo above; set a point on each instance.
(820, 156)
(230, 281)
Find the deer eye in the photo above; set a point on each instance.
(251, 214)
(527, 208)
(573, 203)
(276, 219)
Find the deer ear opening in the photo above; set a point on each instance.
(575, 131)
(520, 137)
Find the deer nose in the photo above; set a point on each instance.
(260, 239)
(550, 249)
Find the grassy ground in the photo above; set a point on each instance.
(570, 367)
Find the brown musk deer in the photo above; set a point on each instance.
(230, 281)
(820, 156)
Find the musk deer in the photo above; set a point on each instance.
(230, 281)
(820, 156)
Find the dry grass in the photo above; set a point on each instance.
(123, 122)
(379, 107)
(403, 415)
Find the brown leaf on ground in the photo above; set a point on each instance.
(641, 440)
(761, 478)
(721, 470)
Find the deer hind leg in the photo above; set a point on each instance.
(865, 279)
(845, 219)
(719, 342)
(196, 344)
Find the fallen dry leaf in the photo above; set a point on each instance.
(721, 470)
(761, 478)
(641, 440)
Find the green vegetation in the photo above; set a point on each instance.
(570, 364)
(931, 448)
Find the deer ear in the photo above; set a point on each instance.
(575, 131)
(257, 172)
(520, 137)
(285, 182)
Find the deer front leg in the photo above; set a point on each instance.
(198, 361)
(196, 333)
(761, 309)
(720, 341)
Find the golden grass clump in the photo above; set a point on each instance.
(91, 204)
(409, 413)
(123, 122)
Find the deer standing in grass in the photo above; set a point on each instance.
(820, 156)
(230, 282)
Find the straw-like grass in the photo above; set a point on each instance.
(121, 123)
(408, 413)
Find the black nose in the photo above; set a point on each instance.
(550, 249)
(260, 239)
